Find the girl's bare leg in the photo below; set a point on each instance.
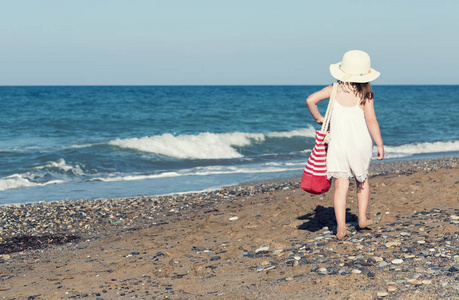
(339, 201)
(363, 195)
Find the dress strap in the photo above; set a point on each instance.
(326, 123)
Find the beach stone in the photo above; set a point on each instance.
(415, 282)
(356, 271)
(382, 264)
(5, 256)
(303, 261)
(427, 282)
(382, 294)
(391, 288)
(195, 248)
(234, 218)
(270, 268)
(371, 261)
(262, 248)
(397, 261)
(332, 270)
(250, 254)
(391, 244)
(277, 252)
(343, 272)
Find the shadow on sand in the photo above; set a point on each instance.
(27, 242)
(324, 217)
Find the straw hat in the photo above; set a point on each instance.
(355, 67)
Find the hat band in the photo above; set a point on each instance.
(361, 74)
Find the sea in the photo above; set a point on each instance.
(85, 142)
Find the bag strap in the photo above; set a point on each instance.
(326, 123)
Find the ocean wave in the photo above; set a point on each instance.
(421, 148)
(60, 171)
(208, 171)
(25, 149)
(20, 180)
(205, 145)
(61, 167)
(53, 172)
(45, 148)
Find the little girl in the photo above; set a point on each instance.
(353, 125)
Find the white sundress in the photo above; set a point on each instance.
(350, 147)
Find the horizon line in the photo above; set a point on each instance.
(202, 85)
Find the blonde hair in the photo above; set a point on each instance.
(361, 90)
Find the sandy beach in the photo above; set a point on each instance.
(266, 240)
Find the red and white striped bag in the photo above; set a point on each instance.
(314, 179)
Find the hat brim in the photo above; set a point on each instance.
(340, 75)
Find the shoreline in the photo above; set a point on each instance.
(272, 236)
(71, 191)
(162, 203)
(376, 168)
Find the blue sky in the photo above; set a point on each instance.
(224, 42)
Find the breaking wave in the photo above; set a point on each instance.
(421, 148)
(205, 145)
(53, 172)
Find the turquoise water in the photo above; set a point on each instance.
(60, 143)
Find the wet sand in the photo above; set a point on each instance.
(267, 240)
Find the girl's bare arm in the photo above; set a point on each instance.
(373, 126)
(315, 98)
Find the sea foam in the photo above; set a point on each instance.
(421, 148)
(16, 181)
(53, 172)
(205, 145)
(208, 171)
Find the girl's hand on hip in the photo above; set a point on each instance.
(320, 120)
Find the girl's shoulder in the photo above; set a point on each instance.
(328, 89)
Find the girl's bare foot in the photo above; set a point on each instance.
(366, 223)
(341, 232)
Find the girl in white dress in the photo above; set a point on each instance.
(353, 128)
